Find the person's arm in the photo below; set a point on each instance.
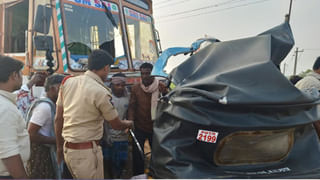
(41, 115)
(31, 83)
(110, 114)
(162, 88)
(37, 78)
(118, 124)
(58, 125)
(15, 167)
(36, 137)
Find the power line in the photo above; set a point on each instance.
(215, 11)
(202, 8)
(312, 49)
(162, 2)
(219, 10)
(172, 4)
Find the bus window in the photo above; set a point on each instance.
(39, 56)
(16, 25)
(141, 3)
(89, 28)
(141, 37)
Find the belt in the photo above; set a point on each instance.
(84, 145)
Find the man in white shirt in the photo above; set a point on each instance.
(40, 118)
(311, 82)
(14, 138)
(311, 85)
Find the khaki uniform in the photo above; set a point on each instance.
(86, 103)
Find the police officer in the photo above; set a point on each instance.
(82, 106)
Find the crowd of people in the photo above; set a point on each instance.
(79, 127)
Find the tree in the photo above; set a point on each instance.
(304, 73)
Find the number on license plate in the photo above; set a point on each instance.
(207, 136)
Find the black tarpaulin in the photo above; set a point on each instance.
(230, 87)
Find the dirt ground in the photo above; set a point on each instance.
(127, 172)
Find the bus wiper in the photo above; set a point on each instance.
(109, 14)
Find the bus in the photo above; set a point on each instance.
(58, 35)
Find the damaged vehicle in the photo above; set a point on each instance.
(233, 114)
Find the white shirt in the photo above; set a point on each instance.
(42, 116)
(14, 138)
(310, 84)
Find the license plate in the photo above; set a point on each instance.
(207, 136)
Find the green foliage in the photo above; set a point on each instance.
(304, 73)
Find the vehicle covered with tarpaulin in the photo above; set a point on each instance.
(232, 114)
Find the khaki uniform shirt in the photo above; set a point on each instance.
(86, 103)
(14, 137)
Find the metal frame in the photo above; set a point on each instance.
(30, 52)
(56, 35)
(142, 11)
(2, 22)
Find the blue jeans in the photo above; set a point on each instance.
(116, 157)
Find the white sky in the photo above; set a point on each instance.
(223, 20)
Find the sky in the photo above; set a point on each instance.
(181, 22)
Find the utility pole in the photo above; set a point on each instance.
(289, 15)
(284, 68)
(296, 60)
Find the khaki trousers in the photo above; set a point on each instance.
(85, 163)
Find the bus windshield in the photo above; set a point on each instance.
(89, 28)
(141, 37)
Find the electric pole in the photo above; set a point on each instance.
(284, 68)
(289, 14)
(296, 60)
